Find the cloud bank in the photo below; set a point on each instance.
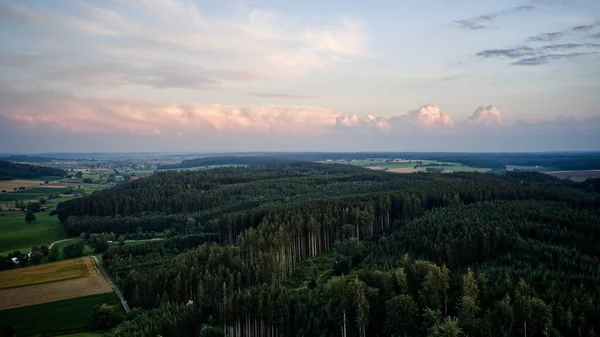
(52, 121)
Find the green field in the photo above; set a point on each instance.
(31, 193)
(18, 234)
(56, 317)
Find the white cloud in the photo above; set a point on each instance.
(488, 115)
(369, 121)
(177, 45)
(426, 116)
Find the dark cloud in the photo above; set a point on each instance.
(543, 59)
(546, 37)
(588, 27)
(482, 21)
(280, 95)
(595, 36)
(541, 55)
(450, 78)
(510, 53)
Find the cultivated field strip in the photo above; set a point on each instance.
(49, 272)
(55, 291)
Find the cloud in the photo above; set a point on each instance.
(487, 115)
(595, 36)
(539, 55)
(546, 37)
(426, 116)
(543, 59)
(59, 111)
(173, 44)
(483, 21)
(510, 53)
(450, 78)
(280, 95)
(368, 121)
(587, 27)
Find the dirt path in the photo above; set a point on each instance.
(113, 286)
(59, 241)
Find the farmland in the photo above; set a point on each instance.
(575, 175)
(8, 185)
(54, 291)
(31, 193)
(56, 317)
(50, 272)
(409, 166)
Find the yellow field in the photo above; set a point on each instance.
(10, 184)
(49, 272)
(51, 292)
(402, 170)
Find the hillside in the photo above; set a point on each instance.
(9, 171)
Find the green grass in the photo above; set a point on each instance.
(56, 317)
(17, 234)
(305, 271)
(30, 193)
(61, 245)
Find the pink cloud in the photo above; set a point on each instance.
(92, 115)
(488, 115)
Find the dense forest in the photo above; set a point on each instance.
(290, 248)
(9, 171)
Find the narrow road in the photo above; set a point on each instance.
(107, 278)
(59, 241)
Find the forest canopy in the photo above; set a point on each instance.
(291, 248)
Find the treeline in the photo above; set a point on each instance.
(559, 160)
(9, 171)
(269, 162)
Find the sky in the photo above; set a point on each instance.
(310, 75)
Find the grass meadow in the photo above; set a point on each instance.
(56, 317)
(17, 234)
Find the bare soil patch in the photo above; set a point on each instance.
(402, 170)
(8, 185)
(576, 174)
(51, 292)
